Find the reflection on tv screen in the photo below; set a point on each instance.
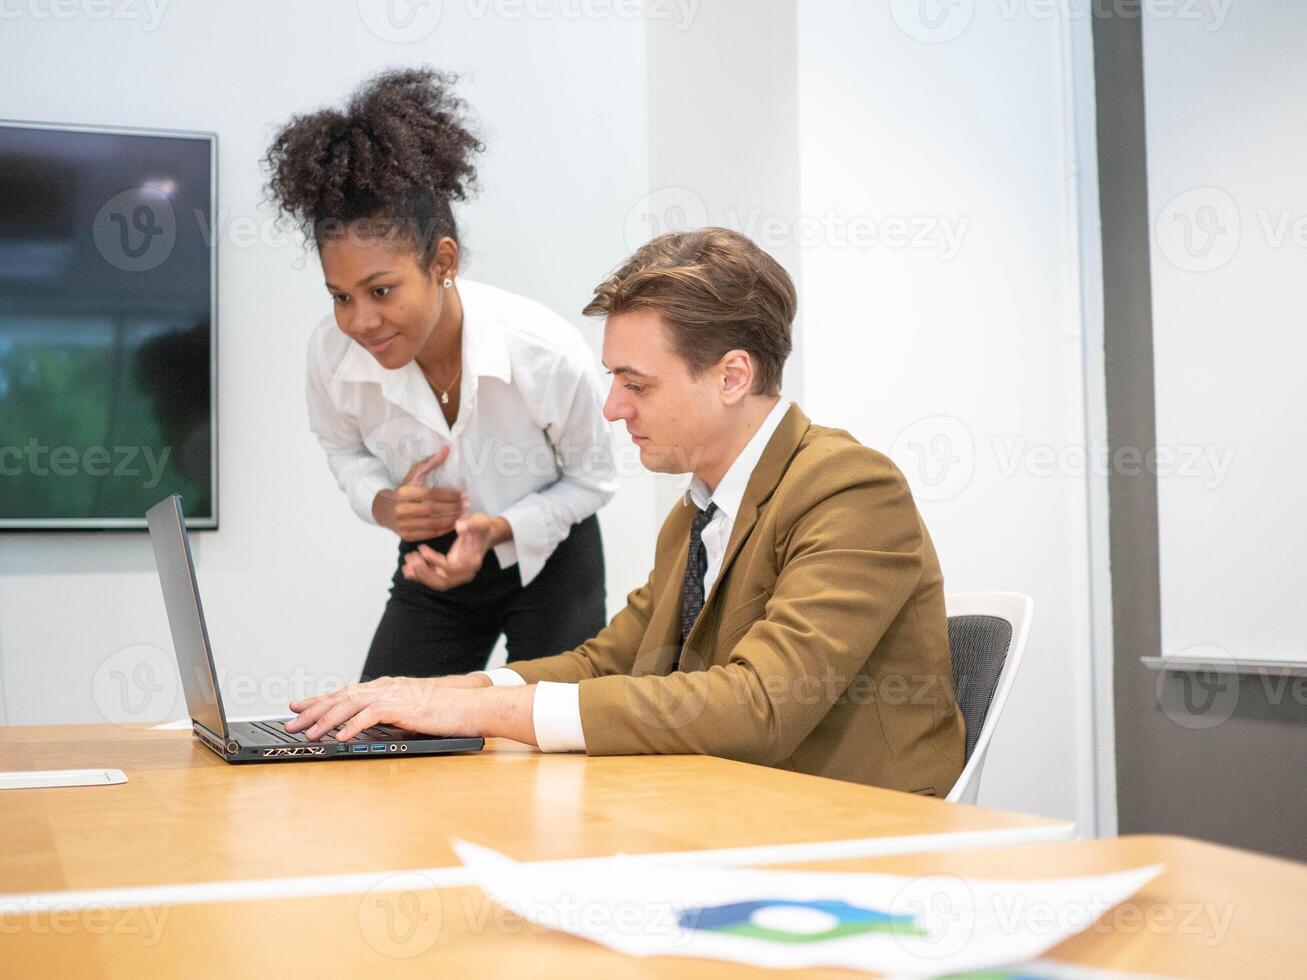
(106, 332)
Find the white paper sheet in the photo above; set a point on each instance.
(51, 778)
(927, 926)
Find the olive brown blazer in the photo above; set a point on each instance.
(822, 647)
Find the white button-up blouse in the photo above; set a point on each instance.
(530, 443)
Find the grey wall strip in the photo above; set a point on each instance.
(1216, 757)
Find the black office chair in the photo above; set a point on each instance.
(986, 636)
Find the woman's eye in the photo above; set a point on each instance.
(340, 298)
(380, 292)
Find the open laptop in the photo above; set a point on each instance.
(250, 741)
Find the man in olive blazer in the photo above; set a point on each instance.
(822, 647)
(795, 613)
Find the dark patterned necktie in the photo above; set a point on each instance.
(696, 563)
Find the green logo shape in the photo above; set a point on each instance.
(736, 919)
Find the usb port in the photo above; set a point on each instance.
(378, 746)
(358, 748)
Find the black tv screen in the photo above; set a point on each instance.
(107, 326)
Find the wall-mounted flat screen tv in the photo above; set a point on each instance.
(108, 352)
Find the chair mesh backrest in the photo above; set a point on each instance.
(978, 647)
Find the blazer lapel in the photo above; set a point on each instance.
(762, 484)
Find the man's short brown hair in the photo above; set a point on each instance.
(717, 291)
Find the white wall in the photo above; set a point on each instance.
(723, 138)
(293, 582)
(956, 347)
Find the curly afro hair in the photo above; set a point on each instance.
(392, 163)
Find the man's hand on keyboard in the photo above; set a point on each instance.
(429, 705)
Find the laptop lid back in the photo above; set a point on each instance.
(181, 598)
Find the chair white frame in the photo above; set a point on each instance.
(1018, 610)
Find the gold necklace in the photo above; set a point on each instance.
(444, 392)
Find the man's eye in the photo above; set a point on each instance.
(381, 291)
(637, 389)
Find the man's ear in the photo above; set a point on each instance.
(736, 368)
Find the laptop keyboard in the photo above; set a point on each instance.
(277, 730)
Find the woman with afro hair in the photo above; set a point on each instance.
(467, 420)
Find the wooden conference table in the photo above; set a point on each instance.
(185, 816)
(195, 867)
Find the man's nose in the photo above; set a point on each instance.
(615, 406)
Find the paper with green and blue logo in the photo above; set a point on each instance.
(933, 925)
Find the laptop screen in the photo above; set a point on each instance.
(181, 598)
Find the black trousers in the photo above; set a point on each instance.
(425, 633)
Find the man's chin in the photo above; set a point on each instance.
(657, 460)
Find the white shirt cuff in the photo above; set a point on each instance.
(556, 715)
(503, 677)
(364, 491)
(534, 537)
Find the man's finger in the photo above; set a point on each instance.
(341, 712)
(304, 703)
(312, 707)
(313, 712)
(371, 715)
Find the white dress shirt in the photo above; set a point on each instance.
(556, 712)
(530, 443)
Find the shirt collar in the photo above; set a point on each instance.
(730, 491)
(485, 349)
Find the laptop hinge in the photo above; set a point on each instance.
(213, 741)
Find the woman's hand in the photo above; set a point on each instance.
(415, 511)
(477, 534)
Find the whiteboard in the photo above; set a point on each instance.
(1227, 145)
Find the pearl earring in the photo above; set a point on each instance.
(448, 282)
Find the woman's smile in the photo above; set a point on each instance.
(380, 346)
